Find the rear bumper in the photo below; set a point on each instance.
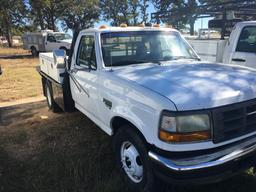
(205, 168)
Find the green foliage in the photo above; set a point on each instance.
(131, 12)
(12, 14)
(177, 12)
(82, 12)
(45, 13)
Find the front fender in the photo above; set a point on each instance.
(145, 119)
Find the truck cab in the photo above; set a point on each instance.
(170, 115)
(238, 49)
(241, 46)
(57, 40)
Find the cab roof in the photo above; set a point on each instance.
(245, 23)
(128, 28)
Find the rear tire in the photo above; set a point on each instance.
(34, 52)
(132, 159)
(52, 105)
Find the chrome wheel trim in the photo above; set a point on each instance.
(131, 162)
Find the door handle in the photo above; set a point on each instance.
(238, 60)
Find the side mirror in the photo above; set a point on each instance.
(59, 56)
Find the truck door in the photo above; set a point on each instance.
(245, 52)
(51, 43)
(84, 76)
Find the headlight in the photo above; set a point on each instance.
(184, 128)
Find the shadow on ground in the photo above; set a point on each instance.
(42, 151)
(22, 56)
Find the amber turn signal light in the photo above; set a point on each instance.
(184, 137)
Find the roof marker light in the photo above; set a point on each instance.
(168, 26)
(103, 27)
(123, 25)
(141, 25)
(156, 25)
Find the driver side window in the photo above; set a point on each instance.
(86, 52)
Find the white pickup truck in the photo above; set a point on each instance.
(239, 49)
(46, 41)
(171, 115)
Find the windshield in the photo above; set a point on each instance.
(126, 48)
(62, 36)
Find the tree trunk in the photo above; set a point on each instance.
(192, 26)
(52, 18)
(40, 18)
(52, 23)
(7, 30)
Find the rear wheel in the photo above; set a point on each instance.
(49, 98)
(132, 160)
(34, 52)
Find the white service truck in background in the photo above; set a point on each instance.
(171, 115)
(239, 49)
(46, 41)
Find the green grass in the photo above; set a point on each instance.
(68, 153)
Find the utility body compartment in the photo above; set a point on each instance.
(53, 71)
(49, 66)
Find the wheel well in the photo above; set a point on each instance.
(32, 47)
(118, 122)
(62, 47)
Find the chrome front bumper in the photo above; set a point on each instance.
(206, 161)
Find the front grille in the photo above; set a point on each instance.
(234, 120)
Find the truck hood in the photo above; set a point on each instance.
(193, 86)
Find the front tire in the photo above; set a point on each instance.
(132, 160)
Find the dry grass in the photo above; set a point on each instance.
(19, 79)
(13, 51)
(42, 151)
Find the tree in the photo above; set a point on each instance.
(52, 12)
(143, 8)
(131, 12)
(82, 12)
(37, 7)
(134, 11)
(114, 11)
(172, 12)
(45, 13)
(12, 15)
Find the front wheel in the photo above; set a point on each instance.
(132, 160)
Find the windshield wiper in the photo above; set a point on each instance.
(185, 57)
(133, 62)
(147, 61)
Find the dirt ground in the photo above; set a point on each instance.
(45, 151)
